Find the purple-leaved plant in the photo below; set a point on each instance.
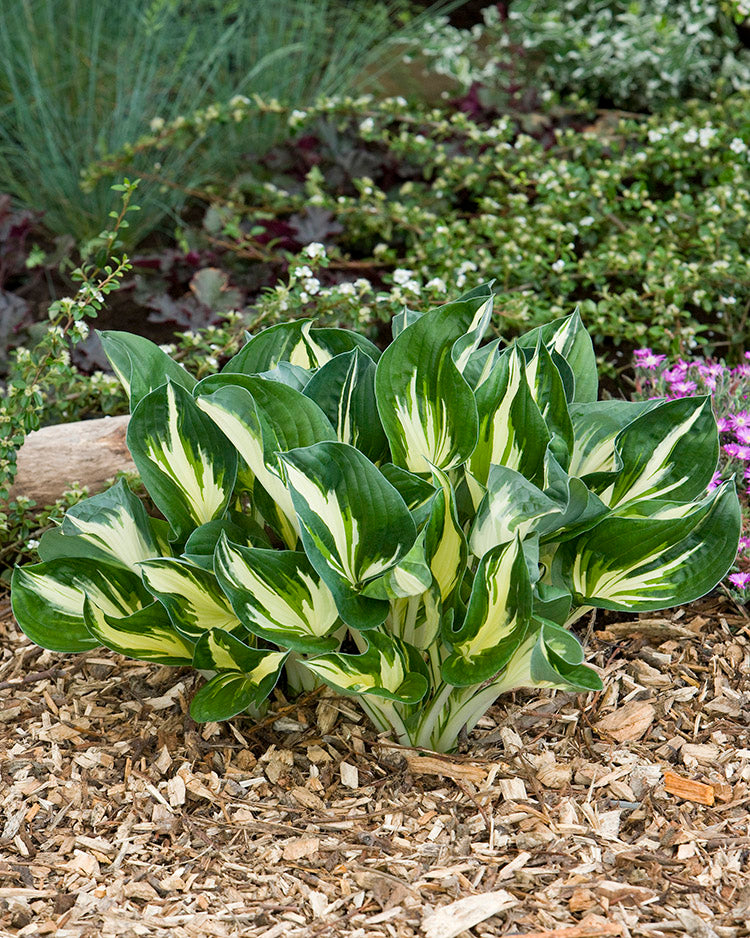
(730, 393)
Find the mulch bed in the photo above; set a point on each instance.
(621, 813)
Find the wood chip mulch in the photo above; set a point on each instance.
(621, 813)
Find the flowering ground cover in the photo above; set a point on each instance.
(729, 389)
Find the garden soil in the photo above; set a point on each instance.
(621, 813)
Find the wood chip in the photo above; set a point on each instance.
(349, 775)
(446, 768)
(450, 920)
(122, 820)
(629, 722)
(688, 790)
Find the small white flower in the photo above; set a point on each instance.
(412, 286)
(296, 117)
(304, 297)
(362, 283)
(32, 544)
(402, 275)
(82, 329)
(212, 362)
(314, 250)
(156, 124)
(706, 135)
(728, 300)
(347, 289)
(437, 283)
(239, 100)
(303, 273)
(367, 125)
(691, 136)
(168, 348)
(311, 285)
(737, 145)
(558, 266)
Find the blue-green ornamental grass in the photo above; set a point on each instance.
(416, 528)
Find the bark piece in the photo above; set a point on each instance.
(687, 789)
(88, 452)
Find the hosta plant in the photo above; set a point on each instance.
(418, 528)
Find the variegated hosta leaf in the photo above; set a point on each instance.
(512, 505)
(496, 619)
(569, 338)
(426, 406)
(552, 602)
(418, 619)
(344, 389)
(278, 596)
(444, 539)
(141, 366)
(299, 344)
(186, 463)
(595, 428)
(191, 595)
(263, 418)
(354, 524)
(653, 554)
(415, 491)
(480, 363)
(48, 598)
(115, 526)
(546, 386)
(238, 528)
(464, 349)
(285, 373)
(390, 669)
(403, 320)
(438, 555)
(410, 577)
(549, 656)
(512, 431)
(669, 452)
(146, 634)
(246, 676)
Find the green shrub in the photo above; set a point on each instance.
(638, 56)
(643, 223)
(415, 528)
(81, 78)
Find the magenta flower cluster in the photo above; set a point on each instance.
(729, 389)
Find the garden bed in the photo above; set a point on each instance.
(620, 813)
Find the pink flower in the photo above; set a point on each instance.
(736, 451)
(742, 371)
(683, 388)
(724, 424)
(715, 481)
(740, 420)
(743, 435)
(645, 358)
(675, 374)
(739, 580)
(744, 545)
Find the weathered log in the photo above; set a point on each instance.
(88, 452)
